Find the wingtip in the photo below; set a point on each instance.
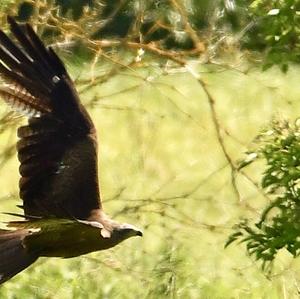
(28, 27)
(11, 20)
(14, 25)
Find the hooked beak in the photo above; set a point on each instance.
(139, 233)
(133, 229)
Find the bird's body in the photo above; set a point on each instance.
(57, 150)
(63, 237)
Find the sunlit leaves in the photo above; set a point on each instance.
(276, 31)
(279, 224)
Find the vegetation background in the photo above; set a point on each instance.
(183, 94)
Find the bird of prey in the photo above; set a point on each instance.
(57, 150)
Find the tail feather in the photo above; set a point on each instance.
(13, 255)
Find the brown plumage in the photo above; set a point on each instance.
(57, 151)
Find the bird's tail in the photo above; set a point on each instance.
(14, 257)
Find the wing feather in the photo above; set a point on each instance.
(57, 149)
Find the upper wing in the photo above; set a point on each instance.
(57, 149)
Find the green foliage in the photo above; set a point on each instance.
(169, 268)
(161, 168)
(168, 23)
(276, 31)
(5, 3)
(269, 29)
(279, 225)
(76, 7)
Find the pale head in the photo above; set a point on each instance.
(123, 231)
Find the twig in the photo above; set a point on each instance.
(219, 136)
(188, 28)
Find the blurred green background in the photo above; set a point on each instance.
(164, 166)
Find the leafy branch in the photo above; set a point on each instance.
(279, 224)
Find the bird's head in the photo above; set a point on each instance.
(124, 231)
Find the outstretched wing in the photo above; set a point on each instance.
(57, 149)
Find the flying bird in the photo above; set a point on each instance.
(57, 151)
